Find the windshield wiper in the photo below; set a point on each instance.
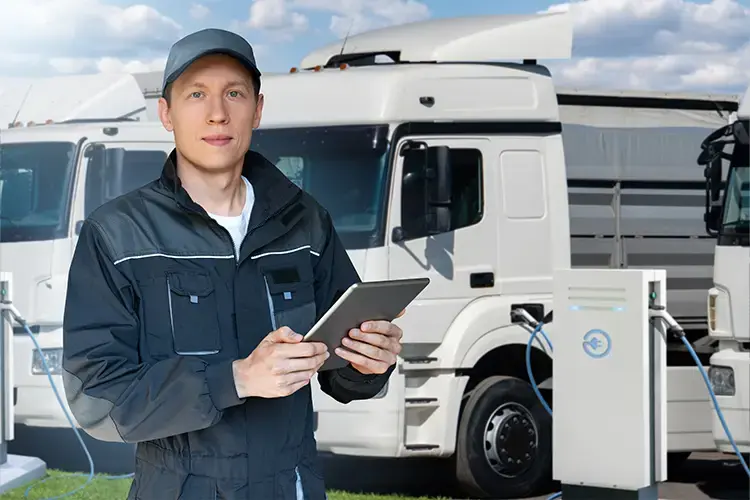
(13, 222)
(737, 226)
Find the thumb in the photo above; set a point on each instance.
(283, 335)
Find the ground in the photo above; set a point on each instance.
(712, 476)
(60, 483)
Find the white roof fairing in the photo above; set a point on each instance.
(462, 39)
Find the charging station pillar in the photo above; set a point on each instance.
(609, 384)
(15, 470)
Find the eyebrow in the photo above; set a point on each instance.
(233, 83)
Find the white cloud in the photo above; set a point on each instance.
(72, 65)
(355, 16)
(275, 16)
(79, 35)
(286, 18)
(198, 11)
(658, 44)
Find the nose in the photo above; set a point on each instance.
(217, 110)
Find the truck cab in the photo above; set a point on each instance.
(51, 178)
(728, 220)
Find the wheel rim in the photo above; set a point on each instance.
(511, 439)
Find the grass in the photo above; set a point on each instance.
(60, 483)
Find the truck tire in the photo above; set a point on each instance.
(504, 442)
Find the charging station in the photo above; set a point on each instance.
(609, 384)
(15, 470)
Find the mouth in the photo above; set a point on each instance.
(218, 139)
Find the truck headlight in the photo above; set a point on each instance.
(713, 294)
(53, 358)
(722, 380)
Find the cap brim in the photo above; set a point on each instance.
(254, 72)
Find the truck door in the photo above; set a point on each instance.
(112, 169)
(461, 260)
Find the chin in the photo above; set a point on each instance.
(216, 160)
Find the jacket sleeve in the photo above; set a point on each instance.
(334, 273)
(111, 392)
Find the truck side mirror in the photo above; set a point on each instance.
(114, 175)
(438, 189)
(713, 175)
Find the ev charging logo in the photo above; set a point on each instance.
(597, 344)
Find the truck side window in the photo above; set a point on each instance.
(467, 188)
(106, 183)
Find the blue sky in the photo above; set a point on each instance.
(689, 45)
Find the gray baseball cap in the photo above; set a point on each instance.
(204, 42)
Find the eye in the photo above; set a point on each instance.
(235, 93)
(195, 94)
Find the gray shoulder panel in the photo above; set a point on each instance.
(146, 223)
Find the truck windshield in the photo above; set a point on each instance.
(344, 168)
(34, 190)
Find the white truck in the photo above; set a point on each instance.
(728, 220)
(26, 102)
(538, 178)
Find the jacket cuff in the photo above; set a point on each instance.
(221, 387)
(351, 374)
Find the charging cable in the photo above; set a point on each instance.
(673, 328)
(15, 315)
(659, 312)
(537, 326)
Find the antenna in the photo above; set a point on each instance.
(343, 45)
(18, 111)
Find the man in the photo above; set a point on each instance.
(173, 290)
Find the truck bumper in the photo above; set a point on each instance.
(35, 402)
(730, 378)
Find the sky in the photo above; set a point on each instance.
(665, 45)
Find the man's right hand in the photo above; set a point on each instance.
(279, 366)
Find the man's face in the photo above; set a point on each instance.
(212, 112)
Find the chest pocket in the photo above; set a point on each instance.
(193, 314)
(290, 284)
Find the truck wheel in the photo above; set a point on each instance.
(504, 443)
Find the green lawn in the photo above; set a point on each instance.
(117, 489)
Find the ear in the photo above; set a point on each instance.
(258, 111)
(166, 120)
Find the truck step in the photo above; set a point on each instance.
(420, 447)
(421, 403)
(417, 363)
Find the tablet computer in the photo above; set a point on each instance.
(369, 300)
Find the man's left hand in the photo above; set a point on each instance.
(372, 348)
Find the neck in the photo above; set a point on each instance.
(219, 193)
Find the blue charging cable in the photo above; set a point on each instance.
(538, 329)
(90, 475)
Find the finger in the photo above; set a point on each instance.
(403, 311)
(376, 339)
(291, 384)
(283, 335)
(300, 350)
(368, 350)
(303, 364)
(372, 365)
(382, 327)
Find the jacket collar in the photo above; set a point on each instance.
(273, 190)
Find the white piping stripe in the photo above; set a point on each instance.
(284, 252)
(146, 256)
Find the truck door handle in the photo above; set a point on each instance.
(482, 280)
